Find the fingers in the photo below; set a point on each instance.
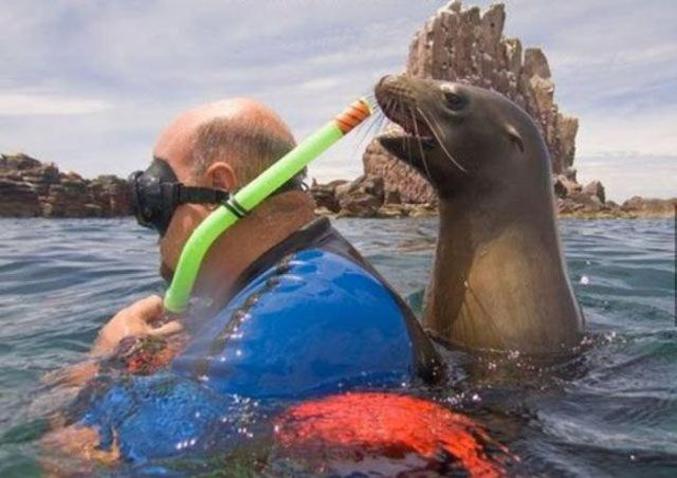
(148, 309)
(170, 328)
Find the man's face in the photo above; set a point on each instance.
(174, 147)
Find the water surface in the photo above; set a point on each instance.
(610, 412)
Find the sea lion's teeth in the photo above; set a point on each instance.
(393, 128)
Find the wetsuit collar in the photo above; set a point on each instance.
(309, 235)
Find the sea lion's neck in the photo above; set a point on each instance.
(499, 281)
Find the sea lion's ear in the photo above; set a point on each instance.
(515, 137)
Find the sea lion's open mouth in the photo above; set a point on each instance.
(411, 126)
(399, 104)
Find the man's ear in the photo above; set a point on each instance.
(220, 175)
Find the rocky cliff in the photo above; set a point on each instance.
(366, 196)
(468, 46)
(30, 188)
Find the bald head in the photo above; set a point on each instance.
(241, 132)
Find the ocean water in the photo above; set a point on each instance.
(612, 411)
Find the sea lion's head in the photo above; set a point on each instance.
(459, 135)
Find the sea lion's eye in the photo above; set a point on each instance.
(454, 101)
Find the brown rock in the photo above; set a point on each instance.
(392, 197)
(323, 211)
(564, 187)
(544, 93)
(468, 46)
(31, 188)
(359, 204)
(397, 176)
(648, 207)
(421, 210)
(512, 49)
(535, 63)
(567, 128)
(18, 199)
(18, 161)
(590, 203)
(393, 210)
(111, 194)
(567, 206)
(491, 30)
(362, 197)
(596, 189)
(325, 195)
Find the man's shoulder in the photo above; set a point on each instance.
(317, 276)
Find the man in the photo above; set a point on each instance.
(288, 309)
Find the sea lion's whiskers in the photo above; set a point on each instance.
(420, 145)
(407, 139)
(366, 131)
(435, 133)
(369, 128)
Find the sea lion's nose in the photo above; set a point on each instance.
(386, 88)
(384, 82)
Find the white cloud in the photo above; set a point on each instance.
(21, 104)
(122, 70)
(650, 132)
(627, 174)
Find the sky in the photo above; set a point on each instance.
(89, 84)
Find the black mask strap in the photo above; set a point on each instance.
(197, 195)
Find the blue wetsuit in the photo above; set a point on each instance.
(309, 318)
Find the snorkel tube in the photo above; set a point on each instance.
(250, 196)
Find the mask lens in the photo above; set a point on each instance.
(152, 195)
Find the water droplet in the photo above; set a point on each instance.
(476, 398)
(585, 280)
(238, 352)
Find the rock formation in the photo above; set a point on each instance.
(364, 197)
(29, 188)
(468, 46)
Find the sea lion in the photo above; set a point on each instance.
(499, 281)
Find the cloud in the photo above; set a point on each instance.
(628, 174)
(90, 84)
(651, 132)
(21, 104)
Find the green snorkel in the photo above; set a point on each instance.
(250, 196)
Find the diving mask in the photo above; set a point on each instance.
(156, 193)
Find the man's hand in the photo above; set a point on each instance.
(135, 320)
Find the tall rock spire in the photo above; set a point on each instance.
(468, 46)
